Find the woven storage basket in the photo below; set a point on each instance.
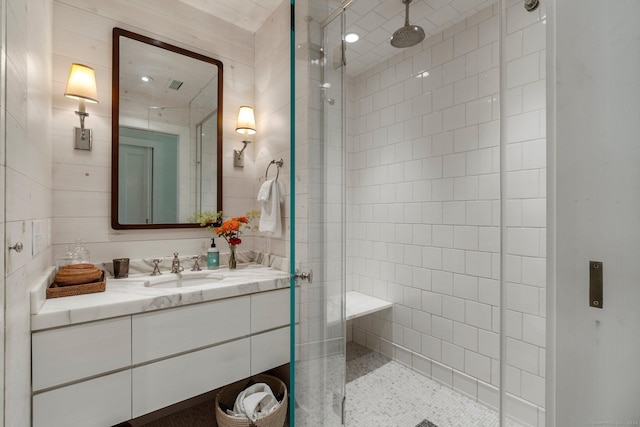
(54, 291)
(227, 397)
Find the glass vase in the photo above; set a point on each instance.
(232, 257)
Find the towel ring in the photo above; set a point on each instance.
(278, 163)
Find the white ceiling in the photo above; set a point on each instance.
(374, 20)
(248, 14)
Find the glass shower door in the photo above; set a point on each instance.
(319, 373)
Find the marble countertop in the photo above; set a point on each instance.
(141, 293)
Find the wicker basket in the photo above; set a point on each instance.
(227, 397)
(54, 291)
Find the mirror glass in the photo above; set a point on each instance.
(166, 134)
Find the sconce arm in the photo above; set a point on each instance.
(243, 148)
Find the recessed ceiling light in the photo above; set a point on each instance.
(351, 38)
(146, 79)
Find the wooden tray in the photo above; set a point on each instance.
(54, 291)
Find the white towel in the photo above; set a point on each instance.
(265, 191)
(270, 215)
(254, 402)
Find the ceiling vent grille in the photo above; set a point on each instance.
(174, 84)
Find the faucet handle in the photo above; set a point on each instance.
(156, 268)
(196, 267)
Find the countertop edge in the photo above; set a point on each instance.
(122, 299)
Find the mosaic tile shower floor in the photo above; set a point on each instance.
(384, 393)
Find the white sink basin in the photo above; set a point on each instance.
(171, 281)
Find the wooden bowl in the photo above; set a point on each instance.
(77, 274)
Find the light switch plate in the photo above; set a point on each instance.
(40, 236)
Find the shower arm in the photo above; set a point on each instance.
(406, 12)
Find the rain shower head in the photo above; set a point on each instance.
(409, 35)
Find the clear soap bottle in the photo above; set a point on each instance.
(213, 256)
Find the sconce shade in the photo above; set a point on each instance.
(246, 121)
(81, 84)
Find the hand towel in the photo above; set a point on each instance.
(270, 215)
(265, 191)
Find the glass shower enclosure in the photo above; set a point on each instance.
(424, 168)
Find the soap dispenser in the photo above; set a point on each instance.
(213, 256)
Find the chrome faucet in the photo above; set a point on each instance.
(175, 264)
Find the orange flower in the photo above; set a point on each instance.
(231, 229)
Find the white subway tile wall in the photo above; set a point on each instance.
(424, 213)
(525, 110)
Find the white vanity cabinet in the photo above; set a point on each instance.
(63, 357)
(99, 402)
(199, 348)
(173, 380)
(108, 371)
(159, 334)
(270, 312)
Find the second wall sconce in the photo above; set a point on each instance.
(246, 125)
(81, 85)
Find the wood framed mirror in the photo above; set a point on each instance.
(166, 129)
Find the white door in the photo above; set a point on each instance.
(136, 168)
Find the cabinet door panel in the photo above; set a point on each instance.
(75, 352)
(164, 333)
(100, 402)
(269, 310)
(173, 380)
(269, 350)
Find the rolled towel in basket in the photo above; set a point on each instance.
(255, 402)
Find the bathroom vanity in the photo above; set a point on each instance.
(149, 342)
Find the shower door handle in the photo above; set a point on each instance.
(307, 275)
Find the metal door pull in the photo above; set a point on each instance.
(308, 276)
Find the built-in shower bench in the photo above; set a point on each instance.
(358, 305)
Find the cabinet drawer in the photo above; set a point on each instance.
(269, 350)
(173, 380)
(75, 352)
(164, 333)
(270, 310)
(100, 402)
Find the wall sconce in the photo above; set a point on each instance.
(81, 85)
(247, 126)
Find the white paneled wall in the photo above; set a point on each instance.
(424, 207)
(273, 117)
(81, 179)
(28, 186)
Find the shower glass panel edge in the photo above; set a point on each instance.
(292, 214)
(318, 345)
(503, 230)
